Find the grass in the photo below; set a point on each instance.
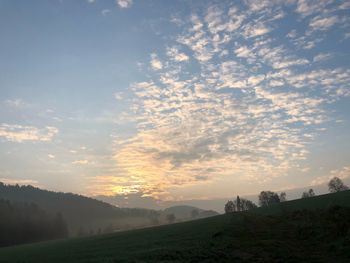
(280, 233)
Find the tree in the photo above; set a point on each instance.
(283, 197)
(309, 193)
(267, 198)
(229, 207)
(171, 218)
(336, 185)
(247, 205)
(238, 204)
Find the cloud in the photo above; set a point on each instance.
(19, 133)
(156, 64)
(322, 57)
(105, 12)
(309, 7)
(17, 103)
(118, 95)
(176, 55)
(51, 156)
(81, 162)
(247, 110)
(244, 52)
(255, 30)
(124, 3)
(342, 173)
(323, 23)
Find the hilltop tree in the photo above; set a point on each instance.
(283, 197)
(336, 185)
(247, 205)
(267, 198)
(240, 204)
(230, 207)
(309, 193)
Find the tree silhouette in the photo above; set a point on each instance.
(283, 197)
(267, 198)
(336, 185)
(230, 207)
(238, 204)
(309, 193)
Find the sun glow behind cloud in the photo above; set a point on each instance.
(227, 99)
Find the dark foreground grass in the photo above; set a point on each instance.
(290, 232)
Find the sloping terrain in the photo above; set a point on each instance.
(85, 215)
(306, 230)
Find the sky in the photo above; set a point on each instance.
(174, 100)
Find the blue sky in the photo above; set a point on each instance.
(174, 99)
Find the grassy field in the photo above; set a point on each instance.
(281, 233)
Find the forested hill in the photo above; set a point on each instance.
(81, 213)
(26, 222)
(87, 216)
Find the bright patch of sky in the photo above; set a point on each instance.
(174, 99)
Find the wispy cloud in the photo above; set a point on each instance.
(322, 57)
(323, 23)
(81, 162)
(309, 7)
(105, 12)
(17, 103)
(19, 133)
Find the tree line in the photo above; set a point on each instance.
(267, 198)
(26, 222)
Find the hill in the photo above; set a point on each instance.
(87, 216)
(82, 214)
(306, 230)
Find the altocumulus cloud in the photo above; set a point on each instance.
(248, 110)
(20, 133)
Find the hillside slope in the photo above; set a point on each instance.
(282, 233)
(80, 212)
(86, 215)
